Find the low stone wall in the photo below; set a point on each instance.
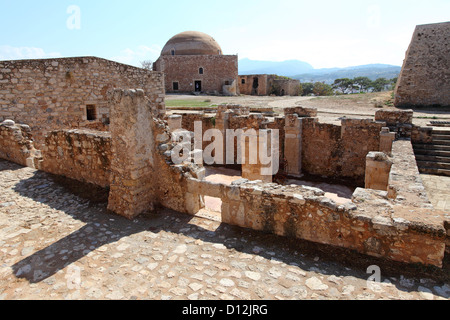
(398, 121)
(404, 178)
(82, 155)
(367, 224)
(16, 143)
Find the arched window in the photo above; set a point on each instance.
(200, 71)
(172, 52)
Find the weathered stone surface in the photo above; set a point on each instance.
(16, 143)
(423, 80)
(55, 93)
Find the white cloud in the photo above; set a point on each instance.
(135, 56)
(18, 53)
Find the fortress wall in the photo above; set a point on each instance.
(425, 76)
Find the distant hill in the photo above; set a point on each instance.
(304, 72)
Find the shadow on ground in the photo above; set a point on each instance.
(104, 228)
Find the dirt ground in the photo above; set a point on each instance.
(331, 109)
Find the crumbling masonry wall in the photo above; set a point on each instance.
(52, 94)
(16, 143)
(79, 154)
(267, 84)
(143, 175)
(424, 79)
(339, 151)
(368, 224)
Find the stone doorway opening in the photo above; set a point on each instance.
(198, 86)
(255, 86)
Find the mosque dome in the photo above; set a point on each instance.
(191, 43)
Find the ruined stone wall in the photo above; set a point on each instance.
(284, 87)
(425, 77)
(78, 154)
(217, 70)
(16, 143)
(267, 85)
(143, 174)
(404, 178)
(367, 224)
(398, 121)
(52, 94)
(339, 151)
(247, 84)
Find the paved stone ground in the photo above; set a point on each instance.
(57, 241)
(438, 189)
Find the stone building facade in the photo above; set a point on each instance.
(50, 94)
(267, 84)
(192, 62)
(425, 76)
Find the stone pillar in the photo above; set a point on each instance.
(378, 168)
(252, 167)
(293, 144)
(132, 167)
(175, 122)
(222, 125)
(386, 140)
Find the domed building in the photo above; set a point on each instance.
(193, 62)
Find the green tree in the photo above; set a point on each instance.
(322, 89)
(308, 88)
(380, 84)
(300, 90)
(363, 83)
(343, 84)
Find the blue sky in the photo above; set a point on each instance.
(323, 33)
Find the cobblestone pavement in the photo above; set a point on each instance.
(58, 242)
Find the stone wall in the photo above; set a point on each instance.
(218, 71)
(256, 84)
(424, 79)
(143, 174)
(367, 224)
(79, 154)
(285, 87)
(339, 151)
(16, 143)
(404, 178)
(264, 84)
(398, 121)
(327, 150)
(52, 94)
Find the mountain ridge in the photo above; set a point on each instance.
(304, 72)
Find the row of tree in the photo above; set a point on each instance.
(347, 86)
